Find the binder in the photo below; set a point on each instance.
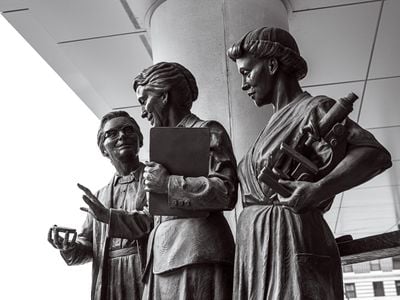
(182, 151)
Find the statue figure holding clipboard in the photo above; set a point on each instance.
(189, 257)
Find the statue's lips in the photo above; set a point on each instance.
(251, 94)
(125, 146)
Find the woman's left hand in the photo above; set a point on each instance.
(305, 195)
(155, 178)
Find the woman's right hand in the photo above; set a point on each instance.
(304, 196)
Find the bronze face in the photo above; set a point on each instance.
(121, 140)
(257, 78)
(153, 106)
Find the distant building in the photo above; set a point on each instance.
(373, 280)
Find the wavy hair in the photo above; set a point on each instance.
(275, 42)
(167, 76)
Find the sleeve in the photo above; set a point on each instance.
(218, 191)
(134, 224)
(131, 225)
(356, 135)
(82, 252)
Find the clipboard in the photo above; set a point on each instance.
(182, 151)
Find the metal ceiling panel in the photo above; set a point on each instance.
(367, 197)
(367, 212)
(75, 19)
(45, 45)
(381, 103)
(385, 61)
(336, 42)
(313, 4)
(8, 5)
(110, 64)
(337, 201)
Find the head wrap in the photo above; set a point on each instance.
(271, 42)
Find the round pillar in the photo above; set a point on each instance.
(197, 34)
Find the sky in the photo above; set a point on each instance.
(48, 144)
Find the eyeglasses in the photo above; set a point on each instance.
(114, 133)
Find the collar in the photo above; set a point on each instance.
(188, 120)
(132, 176)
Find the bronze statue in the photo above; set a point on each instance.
(285, 249)
(188, 258)
(114, 235)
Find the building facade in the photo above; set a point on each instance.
(378, 279)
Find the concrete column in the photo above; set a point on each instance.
(197, 34)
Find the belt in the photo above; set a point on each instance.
(270, 202)
(162, 219)
(122, 252)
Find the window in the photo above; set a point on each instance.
(348, 268)
(397, 284)
(378, 288)
(350, 290)
(396, 262)
(375, 265)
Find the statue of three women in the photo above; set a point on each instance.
(284, 248)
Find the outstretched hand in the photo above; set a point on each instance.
(155, 178)
(96, 208)
(305, 195)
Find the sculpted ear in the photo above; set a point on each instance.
(164, 98)
(273, 65)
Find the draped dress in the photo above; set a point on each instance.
(281, 254)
